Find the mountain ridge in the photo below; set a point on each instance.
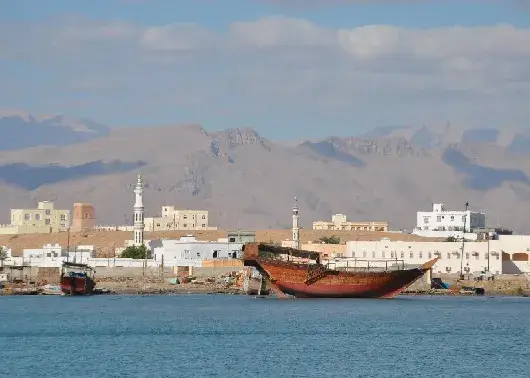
(246, 180)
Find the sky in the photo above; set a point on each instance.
(291, 69)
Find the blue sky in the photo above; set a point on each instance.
(287, 70)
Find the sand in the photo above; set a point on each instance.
(106, 241)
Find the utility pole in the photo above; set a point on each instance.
(463, 243)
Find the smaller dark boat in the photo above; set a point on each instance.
(77, 279)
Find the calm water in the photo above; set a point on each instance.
(206, 335)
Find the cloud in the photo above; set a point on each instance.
(288, 67)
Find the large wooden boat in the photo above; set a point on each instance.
(293, 272)
(77, 279)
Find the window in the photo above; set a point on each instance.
(232, 240)
(425, 220)
(373, 254)
(185, 225)
(215, 254)
(47, 221)
(63, 217)
(204, 217)
(203, 225)
(158, 225)
(383, 254)
(477, 256)
(37, 217)
(439, 218)
(185, 217)
(467, 255)
(463, 218)
(27, 217)
(402, 254)
(412, 255)
(48, 212)
(430, 255)
(420, 255)
(448, 255)
(391, 255)
(452, 217)
(198, 254)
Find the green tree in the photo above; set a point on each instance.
(135, 252)
(451, 239)
(330, 239)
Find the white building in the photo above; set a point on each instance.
(188, 251)
(51, 255)
(507, 255)
(443, 223)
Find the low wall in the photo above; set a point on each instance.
(223, 263)
(114, 272)
(213, 272)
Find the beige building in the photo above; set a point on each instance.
(174, 219)
(44, 219)
(340, 222)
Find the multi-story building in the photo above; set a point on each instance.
(448, 222)
(45, 218)
(340, 222)
(174, 219)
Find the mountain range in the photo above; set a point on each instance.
(248, 181)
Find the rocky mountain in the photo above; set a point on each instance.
(247, 181)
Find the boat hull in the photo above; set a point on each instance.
(77, 285)
(291, 279)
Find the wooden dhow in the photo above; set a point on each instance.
(301, 274)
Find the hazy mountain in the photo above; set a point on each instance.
(247, 181)
(26, 130)
(515, 140)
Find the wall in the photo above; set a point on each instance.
(359, 226)
(327, 250)
(445, 234)
(213, 272)
(416, 253)
(173, 252)
(118, 272)
(7, 229)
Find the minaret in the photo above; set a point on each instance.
(296, 229)
(139, 213)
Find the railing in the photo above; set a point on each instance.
(365, 265)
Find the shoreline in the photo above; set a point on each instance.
(111, 288)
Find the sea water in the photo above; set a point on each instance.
(244, 336)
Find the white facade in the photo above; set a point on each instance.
(139, 225)
(440, 219)
(188, 251)
(51, 255)
(477, 256)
